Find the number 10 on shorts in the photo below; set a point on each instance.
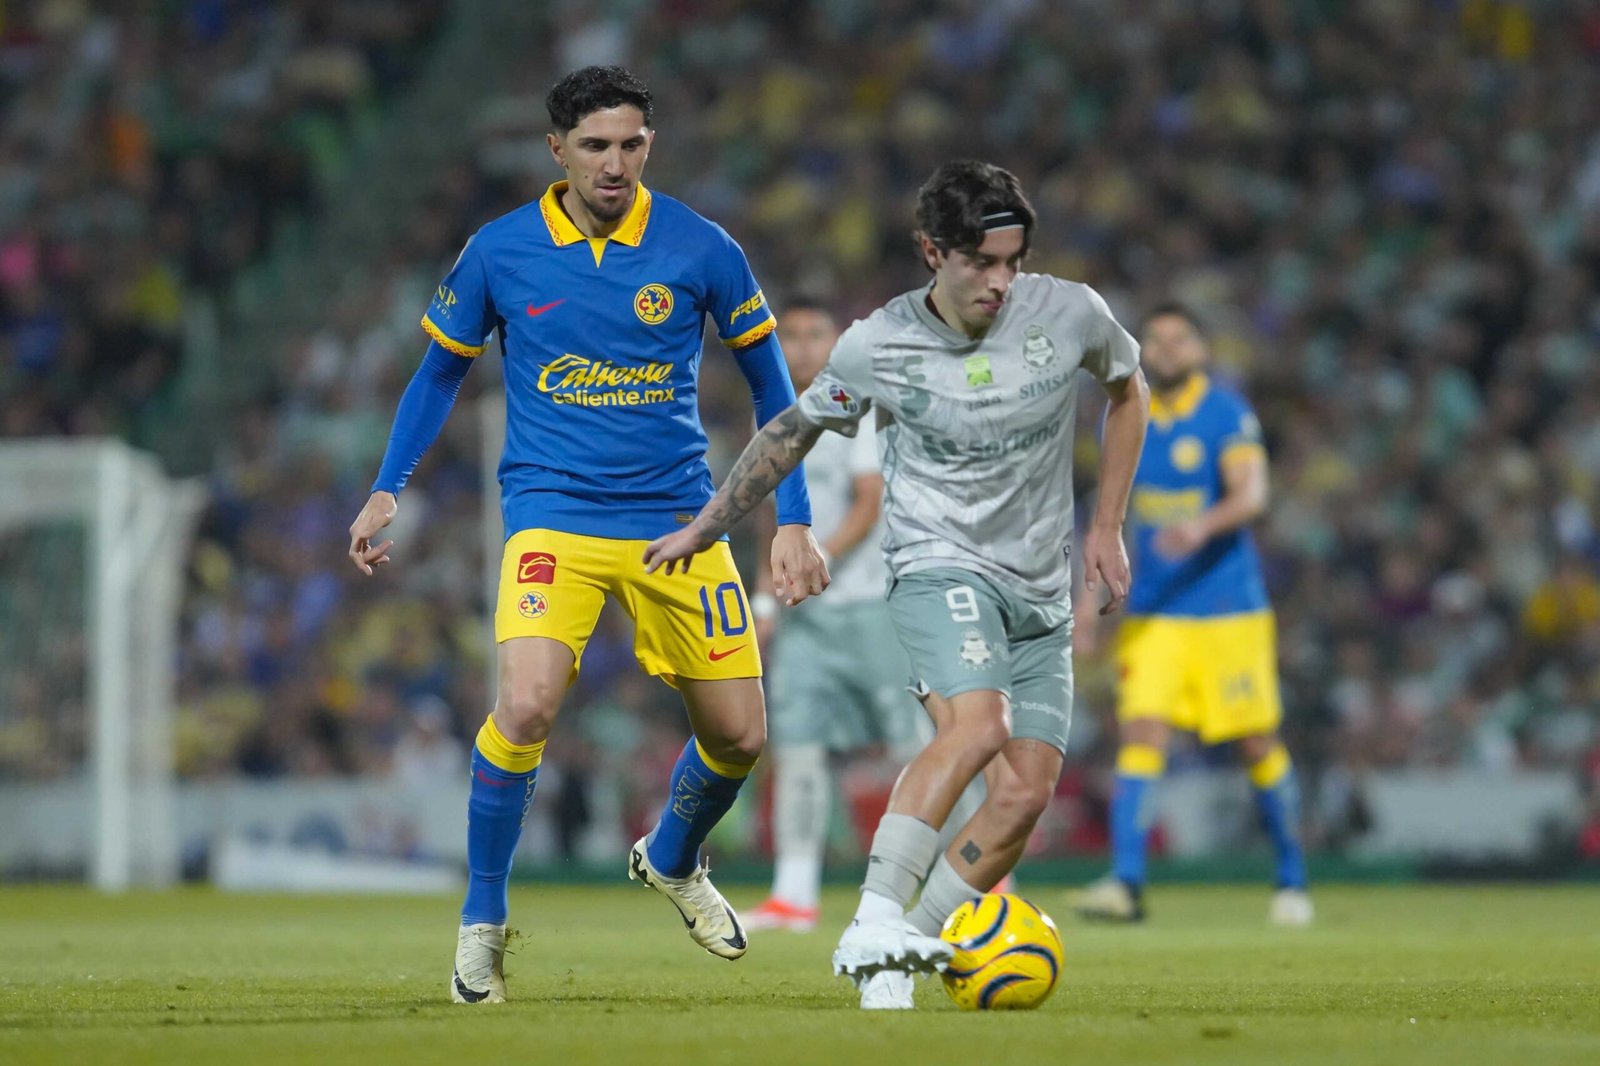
(721, 595)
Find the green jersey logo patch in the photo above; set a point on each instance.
(978, 372)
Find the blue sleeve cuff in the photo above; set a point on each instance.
(423, 408)
(763, 367)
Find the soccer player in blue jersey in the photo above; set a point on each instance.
(1198, 648)
(598, 294)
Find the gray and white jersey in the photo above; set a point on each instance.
(976, 435)
(831, 469)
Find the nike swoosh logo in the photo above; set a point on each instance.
(644, 878)
(535, 312)
(468, 994)
(718, 656)
(737, 940)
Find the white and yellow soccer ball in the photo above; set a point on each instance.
(1007, 954)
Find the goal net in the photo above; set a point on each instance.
(93, 540)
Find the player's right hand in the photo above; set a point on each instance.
(674, 548)
(379, 512)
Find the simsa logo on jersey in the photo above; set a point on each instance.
(577, 379)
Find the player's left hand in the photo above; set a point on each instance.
(379, 512)
(799, 569)
(674, 548)
(1105, 559)
(1180, 539)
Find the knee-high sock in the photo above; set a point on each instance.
(903, 849)
(503, 778)
(1278, 800)
(799, 822)
(703, 790)
(1139, 766)
(944, 891)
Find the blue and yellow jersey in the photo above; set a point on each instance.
(602, 343)
(1180, 475)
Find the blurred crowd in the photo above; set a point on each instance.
(148, 153)
(1388, 214)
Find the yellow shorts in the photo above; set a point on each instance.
(696, 625)
(1217, 677)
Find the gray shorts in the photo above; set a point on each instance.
(964, 632)
(839, 678)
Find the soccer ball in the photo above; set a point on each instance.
(1007, 957)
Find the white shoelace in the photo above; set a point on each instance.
(697, 891)
(480, 963)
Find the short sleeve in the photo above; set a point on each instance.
(864, 450)
(841, 394)
(1109, 352)
(461, 315)
(1241, 433)
(733, 298)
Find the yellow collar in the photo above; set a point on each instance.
(1184, 403)
(563, 231)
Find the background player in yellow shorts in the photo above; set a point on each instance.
(1198, 648)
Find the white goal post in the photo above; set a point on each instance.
(97, 523)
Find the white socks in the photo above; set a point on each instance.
(801, 794)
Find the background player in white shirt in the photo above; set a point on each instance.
(837, 681)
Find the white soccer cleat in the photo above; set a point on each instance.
(1291, 908)
(479, 975)
(864, 950)
(710, 921)
(1107, 900)
(888, 990)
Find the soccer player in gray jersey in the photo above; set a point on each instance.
(974, 379)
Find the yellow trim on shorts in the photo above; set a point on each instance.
(1141, 760)
(512, 758)
(1271, 770)
(722, 769)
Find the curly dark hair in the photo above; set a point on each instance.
(952, 203)
(592, 89)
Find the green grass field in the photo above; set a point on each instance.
(1389, 975)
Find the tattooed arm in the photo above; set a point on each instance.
(773, 452)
